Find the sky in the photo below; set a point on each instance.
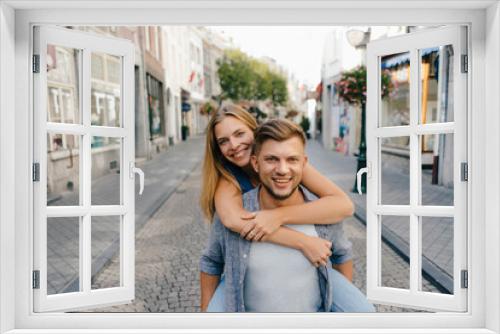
(297, 48)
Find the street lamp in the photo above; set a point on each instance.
(359, 39)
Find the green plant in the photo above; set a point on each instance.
(305, 124)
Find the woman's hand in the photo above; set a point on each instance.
(260, 225)
(316, 250)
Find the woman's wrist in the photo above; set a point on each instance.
(280, 216)
(302, 242)
(234, 224)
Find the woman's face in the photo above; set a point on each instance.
(235, 140)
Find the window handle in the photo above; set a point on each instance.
(134, 170)
(360, 172)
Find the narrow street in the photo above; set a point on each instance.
(176, 92)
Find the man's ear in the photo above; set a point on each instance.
(255, 164)
(306, 159)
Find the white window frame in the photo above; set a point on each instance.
(376, 210)
(16, 215)
(86, 297)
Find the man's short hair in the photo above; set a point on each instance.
(278, 130)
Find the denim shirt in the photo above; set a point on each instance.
(227, 253)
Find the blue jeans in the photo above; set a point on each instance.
(346, 297)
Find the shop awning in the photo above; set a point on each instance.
(403, 58)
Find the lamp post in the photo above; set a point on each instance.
(359, 39)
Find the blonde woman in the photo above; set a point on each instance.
(227, 173)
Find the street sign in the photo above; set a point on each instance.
(185, 107)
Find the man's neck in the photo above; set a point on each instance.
(269, 202)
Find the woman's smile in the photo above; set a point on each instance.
(240, 152)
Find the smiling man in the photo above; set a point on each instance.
(265, 277)
(279, 162)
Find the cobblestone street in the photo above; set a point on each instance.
(168, 249)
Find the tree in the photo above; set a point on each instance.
(279, 94)
(235, 75)
(245, 78)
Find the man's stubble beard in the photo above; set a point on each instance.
(279, 197)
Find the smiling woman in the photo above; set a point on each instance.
(220, 145)
(480, 64)
(234, 140)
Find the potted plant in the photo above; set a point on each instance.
(184, 132)
(305, 124)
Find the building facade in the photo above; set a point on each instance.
(175, 58)
(341, 121)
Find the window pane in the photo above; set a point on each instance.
(63, 169)
(437, 169)
(63, 249)
(63, 105)
(105, 252)
(106, 166)
(395, 90)
(437, 253)
(394, 273)
(436, 75)
(106, 90)
(395, 171)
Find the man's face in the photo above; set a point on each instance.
(280, 166)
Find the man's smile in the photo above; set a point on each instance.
(282, 182)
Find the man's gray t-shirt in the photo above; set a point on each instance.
(280, 278)
(227, 252)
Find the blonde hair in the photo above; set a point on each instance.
(213, 168)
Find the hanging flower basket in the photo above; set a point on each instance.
(352, 85)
